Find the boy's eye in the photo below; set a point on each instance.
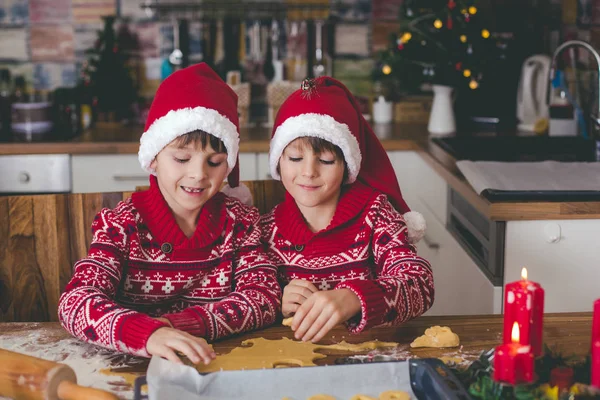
(295, 159)
(214, 164)
(181, 160)
(327, 162)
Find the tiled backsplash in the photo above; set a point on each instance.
(45, 40)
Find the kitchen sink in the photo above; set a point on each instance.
(519, 148)
(525, 149)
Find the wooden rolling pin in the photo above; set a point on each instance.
(31, 378)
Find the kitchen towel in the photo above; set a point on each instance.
(531, 176)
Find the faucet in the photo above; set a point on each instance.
(569, 44)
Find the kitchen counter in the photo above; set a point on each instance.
(117, 139)
(568, 333)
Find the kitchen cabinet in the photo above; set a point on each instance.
(460, 286)
(420, 181)
(107, 173)
(562, 255)
(262, 166)
(122, 172)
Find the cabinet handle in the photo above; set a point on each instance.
(430, 244)
(24, 177)
(123, 178)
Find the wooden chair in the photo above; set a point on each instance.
(42, 236)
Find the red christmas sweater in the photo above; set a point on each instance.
(364, 249)
(141, 265)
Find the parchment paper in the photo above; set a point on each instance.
(167, 380)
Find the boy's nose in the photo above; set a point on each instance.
(309, 168)
(198, 170)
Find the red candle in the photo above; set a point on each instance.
(524, 304)
(513, 362)
(595, 381)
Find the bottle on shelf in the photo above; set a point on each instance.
(5, 105)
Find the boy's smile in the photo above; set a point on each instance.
(188, 177)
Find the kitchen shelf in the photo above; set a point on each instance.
(211, 9)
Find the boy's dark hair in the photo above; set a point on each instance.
(319, 146)
(201, 138)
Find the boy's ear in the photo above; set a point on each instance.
(153, 164)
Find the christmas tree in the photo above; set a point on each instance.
(440, 42)
(106, 76)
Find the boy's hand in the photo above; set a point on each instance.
(322, 311)
(165, 341)
(295, 294)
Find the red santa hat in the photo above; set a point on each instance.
(194, 98)
(325, 108)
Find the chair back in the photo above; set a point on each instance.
(43, 236)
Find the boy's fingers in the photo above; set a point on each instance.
(295, 298)
(324, 330)
(186, 348)
(171, 356)
(316, 326)
(204, 350)
(306, 322)
(289, 308)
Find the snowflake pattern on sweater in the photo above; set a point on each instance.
(364, 249)
(140, 265)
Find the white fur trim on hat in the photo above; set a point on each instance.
(179, 122)
(415, 222)
(241, 192)
(316, 125)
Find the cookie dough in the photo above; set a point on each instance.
(287, 321)
(321, 397)
(394, 395)
(362, 397)
(261, 353)
(437, 336)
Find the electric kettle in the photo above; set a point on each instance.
(531, 94)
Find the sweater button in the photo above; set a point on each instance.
(166, 247)
(299, 247)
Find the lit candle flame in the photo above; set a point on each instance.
(524, 274)
(515, 335)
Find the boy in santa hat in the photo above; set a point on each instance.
(343, 238)
(181, 263)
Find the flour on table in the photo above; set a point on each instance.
(84, 358)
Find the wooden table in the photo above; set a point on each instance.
(568, 332)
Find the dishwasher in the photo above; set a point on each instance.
(482, 238)
(35, 174)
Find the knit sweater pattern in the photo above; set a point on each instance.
(141, 265)
(364, 249)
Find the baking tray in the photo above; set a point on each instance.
(429, 379)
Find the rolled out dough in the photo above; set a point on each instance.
(261, 353)
(437, 336)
